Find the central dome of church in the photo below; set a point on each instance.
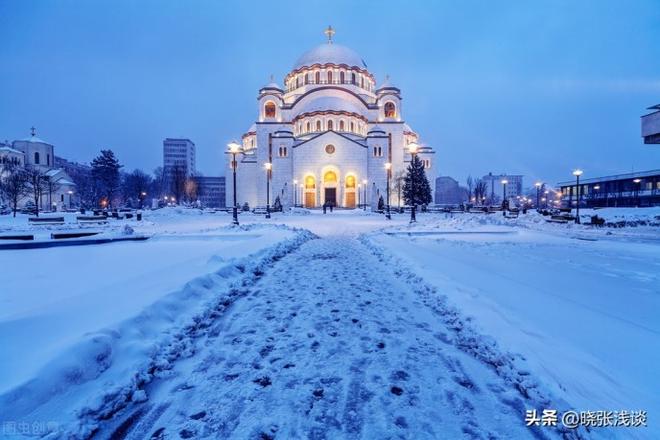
(330, 53)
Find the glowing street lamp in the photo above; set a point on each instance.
(388, 168)
(413, 148)
(364, 182)
(268, 166)
(577, 173)
(504, 182)
(234, 148)
(295, 192)
(538, 193)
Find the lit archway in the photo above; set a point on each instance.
(310, 192)
(349, 191)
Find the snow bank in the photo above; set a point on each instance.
(132, 334)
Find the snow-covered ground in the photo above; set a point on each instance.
(448, 328)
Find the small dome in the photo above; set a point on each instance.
(330, 53)
(387, 84)
(35, 140)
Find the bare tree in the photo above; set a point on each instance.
(37, 184)
(52, 186)
(190, 189)
(177, 181)
(470, 183)
(399, 180)
(13, 185)
(480, 189)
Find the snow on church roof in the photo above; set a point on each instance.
(35, 140)
(330, 53)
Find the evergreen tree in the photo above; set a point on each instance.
(105, 172)
(381, 203)
(277, 205)
(422, 190)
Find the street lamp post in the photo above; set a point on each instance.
(359, 191)
(70, 195)
(295, 192)
(364, 202)
(234, 148)
(412, 148)
(388, 168)
(538, 194)
(546, 192)
(269, 167)
(504, 182)
(577, 173)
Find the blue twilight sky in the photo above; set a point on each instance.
(530, 87)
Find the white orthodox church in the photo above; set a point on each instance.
(327, 136)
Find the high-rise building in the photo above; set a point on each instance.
(179, 153)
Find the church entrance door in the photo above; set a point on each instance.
(310, 199)
(331, 196)
(350, 200)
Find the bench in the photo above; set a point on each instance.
(511, 214)
(100, 219)
(17, 237)
(46, 220)
(259, 210)
(560, 219)
(61, 235)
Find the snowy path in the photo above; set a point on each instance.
(325, 345)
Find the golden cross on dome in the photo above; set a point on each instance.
(32, 130)
(329, 32)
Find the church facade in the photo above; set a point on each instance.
(326, 136)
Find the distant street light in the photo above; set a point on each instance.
(234, 149)
(269, 167)
(577, 173)
(413, 148)
(388, 168)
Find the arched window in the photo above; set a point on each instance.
(329, 76)
(309, 127)
(306, 78)
(350, 181)
(330, 125)
(310, 183)
(352, 127)
(353, 81)
(36, 157)
(269, 109)
(318, 77)
(341, 125)
(390, 110)
(342, 77)
(362, 81)
(318, 125)
(329, 177)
